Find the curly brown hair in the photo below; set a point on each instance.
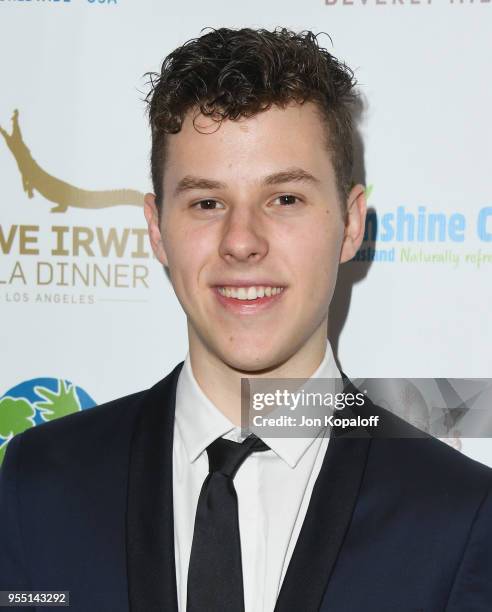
(233, 73)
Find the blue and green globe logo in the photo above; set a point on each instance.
(37, 401)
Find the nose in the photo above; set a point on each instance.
(243, 238)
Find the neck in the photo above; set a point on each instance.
(221, 383)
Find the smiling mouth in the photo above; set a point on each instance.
(249, 293)
(249, 300)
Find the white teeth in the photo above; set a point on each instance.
(249, 293)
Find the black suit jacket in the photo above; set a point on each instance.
(393, 525)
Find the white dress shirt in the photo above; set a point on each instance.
(273, 489)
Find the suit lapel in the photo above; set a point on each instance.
(327, 520)
(149, 525)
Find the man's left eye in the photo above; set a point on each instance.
(288, 199)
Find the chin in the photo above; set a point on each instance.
(251, 360)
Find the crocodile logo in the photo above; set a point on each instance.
(61, 193)
(37, 401)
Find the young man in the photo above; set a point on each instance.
(253, 212)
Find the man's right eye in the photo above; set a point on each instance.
(205, 204)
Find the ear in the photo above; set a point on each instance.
(152, 217)
(355, 223)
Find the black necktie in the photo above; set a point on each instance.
(215, 575)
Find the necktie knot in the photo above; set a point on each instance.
(226, 456)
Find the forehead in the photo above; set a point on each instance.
(272, 139)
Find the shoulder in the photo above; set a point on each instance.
(398, 447)
(426, 471)
(430, 460)
(85, 440)
(82, 438)
(420, 469)
(96, 418)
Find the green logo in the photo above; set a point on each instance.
(38, 401)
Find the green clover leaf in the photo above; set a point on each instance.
(57, 403)
(16, 415)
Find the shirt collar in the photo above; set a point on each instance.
(200, 422)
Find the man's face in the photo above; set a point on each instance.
(253, 202)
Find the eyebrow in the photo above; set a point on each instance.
(290, 175)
